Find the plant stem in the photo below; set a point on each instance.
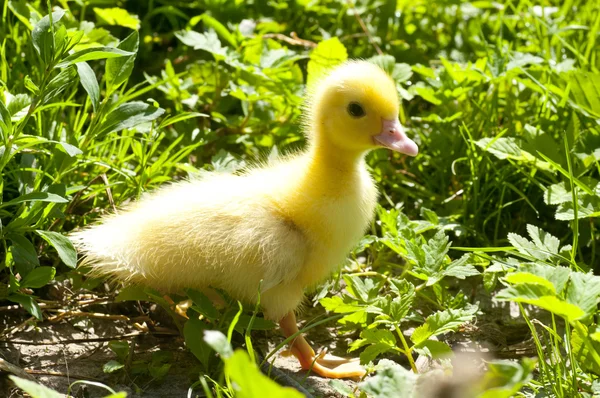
(407, 349)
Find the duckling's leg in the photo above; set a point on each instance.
(335, 368)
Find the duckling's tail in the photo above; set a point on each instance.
(109, 249)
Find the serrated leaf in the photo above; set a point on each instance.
(442, 322)
(460, 269)
(390, 380)
(556, 194)
(88, 80)
(527, 247)
(38, 277)
(93, 53)
(543, 240)
(507, 148)
(581, 350)
(584, 292)
(62, 244)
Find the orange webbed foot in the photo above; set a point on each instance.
(323, 364)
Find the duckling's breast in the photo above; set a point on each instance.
(333, 214)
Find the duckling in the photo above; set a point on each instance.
(284, 226)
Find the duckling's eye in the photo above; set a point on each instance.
(356, 110)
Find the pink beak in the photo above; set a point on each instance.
(393, 137)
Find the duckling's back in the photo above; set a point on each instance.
(222, 231)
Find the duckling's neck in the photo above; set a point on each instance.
(329, 159)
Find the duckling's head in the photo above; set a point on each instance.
(355, 109)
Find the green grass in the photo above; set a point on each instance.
(111, 100)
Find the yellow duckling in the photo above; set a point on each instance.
(289, 224)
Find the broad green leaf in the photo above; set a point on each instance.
(541, 296)
(373, 351)
(66, 78)
(327, 55)
(517, 278)
(434, 349)
(62, 244)
(87, 77)
(251, 383)
(131, 293)
(90, 54)
(118, 16)
(390, 381)
(120, 348)
(70, 150)
(34, 389)
(39, 277)
(42, 37)
(585, 91)
(128, 115)
(427, 93)
(21, 11)
(17, 106)
(504, 378)
(399, 72)
(112, 366)
(204, 304)
(119, 69)
(28, 302)
(193, 331)
(24, 254)
(218, 342)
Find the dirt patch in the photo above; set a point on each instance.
(58, 353)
